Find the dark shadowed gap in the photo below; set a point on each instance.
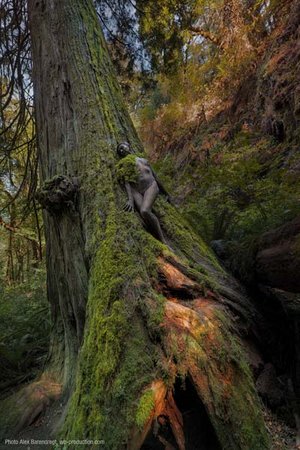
(198, 430)
(162, 440)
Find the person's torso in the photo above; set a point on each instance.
(146, 177)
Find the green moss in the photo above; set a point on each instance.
(156, 310)
(120, 357)
(117, 358)
(127, 170)
(145, 407)
(188, 243)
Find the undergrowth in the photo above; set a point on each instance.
(24, 330)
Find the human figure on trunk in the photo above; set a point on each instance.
(143, 192)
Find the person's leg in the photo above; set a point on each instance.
(138, 199)
(146, 213)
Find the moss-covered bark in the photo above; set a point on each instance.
(152, 314)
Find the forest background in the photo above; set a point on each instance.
(213, 90)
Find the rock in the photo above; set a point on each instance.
(268, 386)
(219, 246)
(290, 301)
(254, 357)
(278, 257)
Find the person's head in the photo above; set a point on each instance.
(124, 149)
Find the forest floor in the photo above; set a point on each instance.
(41, 430)
(283, 437)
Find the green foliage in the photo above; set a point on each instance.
(237, 189)
(160, 30)
(241, 193)
(20, 221)
(24, 329)
(155, 99)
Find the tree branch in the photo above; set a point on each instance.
(15, 230)
(206, 34)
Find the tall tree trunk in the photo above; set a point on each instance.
(78, 126)
(143, 316)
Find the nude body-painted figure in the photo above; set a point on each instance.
(143, 193)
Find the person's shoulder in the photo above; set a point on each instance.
(143, 160)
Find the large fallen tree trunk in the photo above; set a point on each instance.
(143, 316)
(277, 265)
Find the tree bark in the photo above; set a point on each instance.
(143, 316)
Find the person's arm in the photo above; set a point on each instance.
(129, 206)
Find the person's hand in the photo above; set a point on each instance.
(169, 199)
(129, 206)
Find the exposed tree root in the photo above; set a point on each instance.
(199, 345)
(25, 406)
(175, 282)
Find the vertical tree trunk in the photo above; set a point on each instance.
(77, 129)
(143, 315)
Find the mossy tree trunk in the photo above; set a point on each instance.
(142, 316)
